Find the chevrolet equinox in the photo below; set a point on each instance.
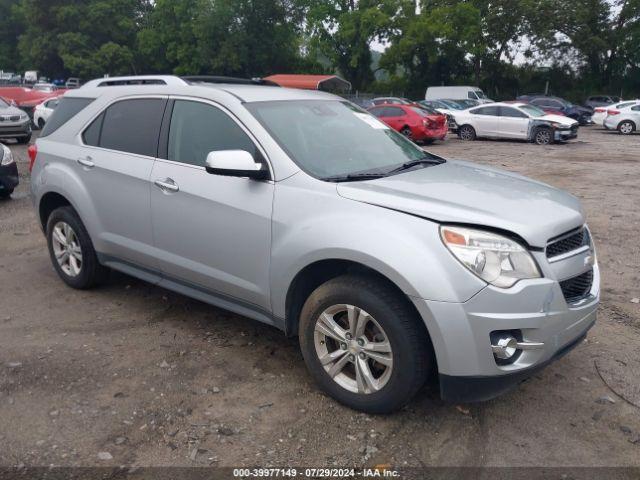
(302, 211)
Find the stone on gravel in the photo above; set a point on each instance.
(605, 399)
(226, 431)
(104, 456)
(120, 440)
(164, 364)
(14, 364)
(635, 300)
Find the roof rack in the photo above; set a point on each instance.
(229, 80)
(136, 80)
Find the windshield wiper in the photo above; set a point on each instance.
(354, 177)
(419, 161)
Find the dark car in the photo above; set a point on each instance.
(601, 100)
(568, 109)
(8, 172)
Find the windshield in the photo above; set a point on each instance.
(329, 138)
(531, 110)
(480, 94)
(424, 111)
(3, 104)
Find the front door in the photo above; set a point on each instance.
(513, 123)
(212, 232)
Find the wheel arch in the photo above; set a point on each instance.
(635, 127)
(48, 203)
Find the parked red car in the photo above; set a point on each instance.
(416, 123)
(26, 98)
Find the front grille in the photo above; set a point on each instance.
(577, 288)
(568, 243)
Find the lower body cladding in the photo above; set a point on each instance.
(8, 178)
(500, 337)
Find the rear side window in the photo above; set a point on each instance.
(198, 128)
(65, 111)
(393, 112)
(131, 126)
(492, 111)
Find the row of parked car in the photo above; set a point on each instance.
(540, 119)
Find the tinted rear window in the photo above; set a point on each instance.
(65, 111)
(133, 126)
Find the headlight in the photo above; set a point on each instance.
(6, 157)
(495, 259)
(24, 116)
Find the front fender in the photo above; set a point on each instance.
(321, 225)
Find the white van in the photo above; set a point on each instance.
(31, 76)
(456, 93)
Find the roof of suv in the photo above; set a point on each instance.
(170, 85)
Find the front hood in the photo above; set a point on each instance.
(463, 192)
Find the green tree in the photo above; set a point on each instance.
(10, 27)
(342, 31)
(87, 39)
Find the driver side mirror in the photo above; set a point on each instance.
(235, 163)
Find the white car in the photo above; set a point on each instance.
(625, 119)
(43, 111)
(514, 120)
(600, 113)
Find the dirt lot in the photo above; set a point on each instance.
(130, 374)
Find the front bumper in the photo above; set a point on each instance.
(567, 134)
(460, 333)
(8, 177)
(14, 130)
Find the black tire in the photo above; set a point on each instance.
(406, 131)
(542, 136)
(6, 193)
(626, 127)
(428, 141)
(41, 123)
(91, 272)
(23, 140)
(411, 347)
(467, 132)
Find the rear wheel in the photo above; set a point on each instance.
(467, 132)
(406, 131)
(542, 136)
(626, 127)
(71, 250)
(363, 344)
(6, 193)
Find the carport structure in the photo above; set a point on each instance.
(328, 83)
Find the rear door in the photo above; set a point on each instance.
(212, 232)
(513, 123)
(120, 146)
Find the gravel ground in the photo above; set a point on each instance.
(131, 374)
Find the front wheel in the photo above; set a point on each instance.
(40, 123)
(626, 127)
(467, 132)
(71, 250)
(542, 136)
(363, 344)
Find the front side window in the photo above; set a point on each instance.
(198, 129)
(133, 126)
(328, 138)
(472, 96)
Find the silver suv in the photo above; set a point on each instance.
(302, 211)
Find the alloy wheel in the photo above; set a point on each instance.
(466, 133)
(353, 349)
(66, 248)
(626, 128)
(543, 137)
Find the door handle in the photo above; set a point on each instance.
(167, 185)
(86, 162)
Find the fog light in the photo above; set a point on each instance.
(505, 347)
